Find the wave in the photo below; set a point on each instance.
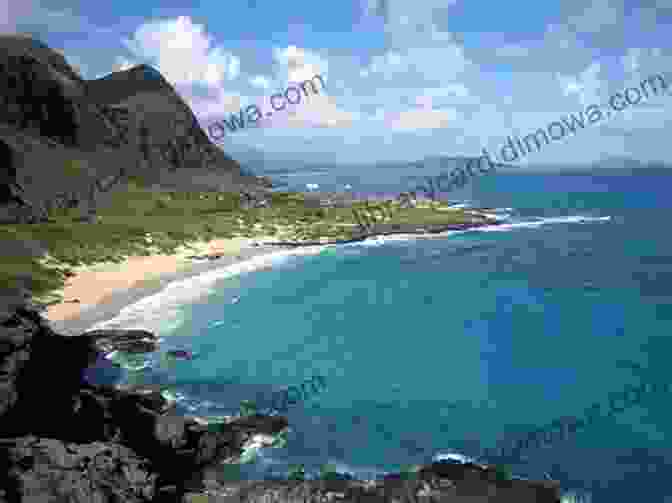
(538, 222)
(161, 313)
(501, 227)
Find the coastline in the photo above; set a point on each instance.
(104, 289)
(138, 277)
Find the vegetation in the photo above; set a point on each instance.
(248, 408)
(502, 473)
(139, 221)
(296, 472)
(329, 471)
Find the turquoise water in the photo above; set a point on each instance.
(444, 344)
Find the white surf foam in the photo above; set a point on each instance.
(502, 227)
(541, 221)
(161, 314)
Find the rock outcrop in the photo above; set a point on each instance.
(61, 136)
(61, 437)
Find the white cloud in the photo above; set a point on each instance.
(183, 52)
(260, 82)
(424, 118)
(296, 64)
(419, 62)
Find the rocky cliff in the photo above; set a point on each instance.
(59, 134)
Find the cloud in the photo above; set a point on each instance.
(183, 52)
(424, 89)
(293, 64)
(419, 65)
(260, 82)
(424, 118)
(319, 110)
(412, 24)
(188, 58)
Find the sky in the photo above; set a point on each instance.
(405, 79)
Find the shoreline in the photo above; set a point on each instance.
(138, 277)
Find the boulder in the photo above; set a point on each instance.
(127, 341)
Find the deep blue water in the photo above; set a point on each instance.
(453, 343)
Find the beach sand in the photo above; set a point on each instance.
(104, 289)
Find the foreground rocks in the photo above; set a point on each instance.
(65, 440)
(61, 437)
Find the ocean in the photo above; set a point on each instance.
(447, 344)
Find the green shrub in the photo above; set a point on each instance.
(502, 473)
(296, 472)
(328, 472)
(248, 408)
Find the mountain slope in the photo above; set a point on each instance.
(129, 123)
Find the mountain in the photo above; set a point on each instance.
(128, 123)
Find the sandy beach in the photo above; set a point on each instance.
(104, 288)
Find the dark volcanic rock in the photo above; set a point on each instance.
(43, 469)
(128, 341)
(459, 484)
(141, 445)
